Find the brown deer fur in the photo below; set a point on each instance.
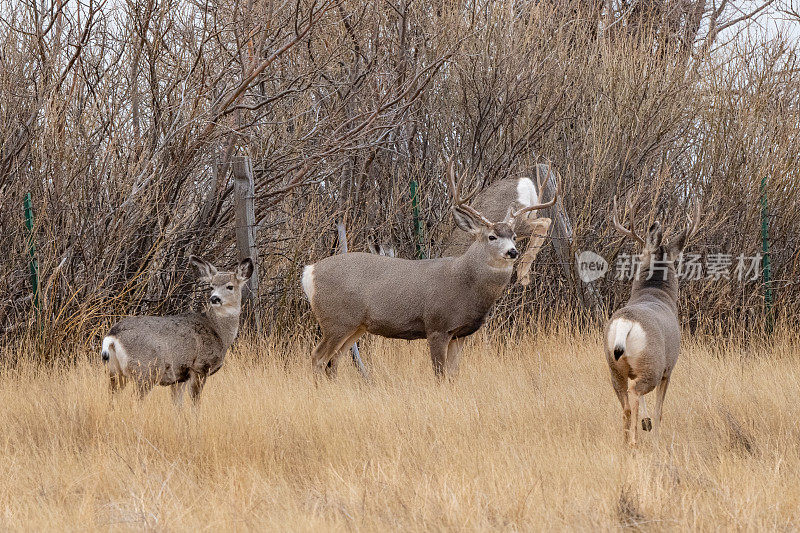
(179, 349)
(642, 339)
(441, 300)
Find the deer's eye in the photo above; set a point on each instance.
(229, 287)
(492, 238)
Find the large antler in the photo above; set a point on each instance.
(537, 207)
(693, 221)
(461, 202)
(631, 220)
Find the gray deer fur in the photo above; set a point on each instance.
(178, 349)
(642, 339)
(442, 300)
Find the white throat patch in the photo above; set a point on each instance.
(225, 311)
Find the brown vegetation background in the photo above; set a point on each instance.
(122, 120)
(528, 438)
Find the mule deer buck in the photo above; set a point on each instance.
(643, 338)
(493, 202)
(178, 349)
(442, 300)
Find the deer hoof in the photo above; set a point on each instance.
(647, 424)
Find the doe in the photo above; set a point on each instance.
(178, 349)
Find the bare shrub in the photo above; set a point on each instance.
(122, 122)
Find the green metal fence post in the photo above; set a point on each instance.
(417, 221)
(765, 266)
(33, 265)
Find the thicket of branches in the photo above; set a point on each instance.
(122, 120)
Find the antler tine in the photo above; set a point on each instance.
(458, 185)
(694, 220)
(631, 206)
(622, 229)
(459, 200)
(545, 205)
(452, 179)
(470, 196)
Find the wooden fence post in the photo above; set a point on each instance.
(417, 222)
(245, 220)
(765, 260)
(33, 265)
(563, 240)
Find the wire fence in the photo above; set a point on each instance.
(134, 260)
(160, 287)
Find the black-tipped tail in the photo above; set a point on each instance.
(619, 351)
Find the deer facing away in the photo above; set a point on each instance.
(493, 201)
(442, 300)
(178, 349)
(642, 339)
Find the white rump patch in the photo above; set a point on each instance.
(117, 356)
(308, 282)
(627, 335)
(526, 192)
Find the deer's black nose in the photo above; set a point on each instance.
(216, 299)
(512, 253)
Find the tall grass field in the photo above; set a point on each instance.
(527, 437)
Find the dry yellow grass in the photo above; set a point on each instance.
(527, 438)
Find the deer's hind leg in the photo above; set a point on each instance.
(661, 392)
(636, 389)
(633, 401)
(322, 353)
(116, 382)
(143, 378)
(177, 392)
(620, 387)
(196, 383)
(333, 363)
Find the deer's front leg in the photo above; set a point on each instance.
(454, 356)
(196, 382)
(438, 344)
(177, 393)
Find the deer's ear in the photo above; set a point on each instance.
(467, 222)
(677, 242)
(654, 236)
(207, 270)
(245, 269)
